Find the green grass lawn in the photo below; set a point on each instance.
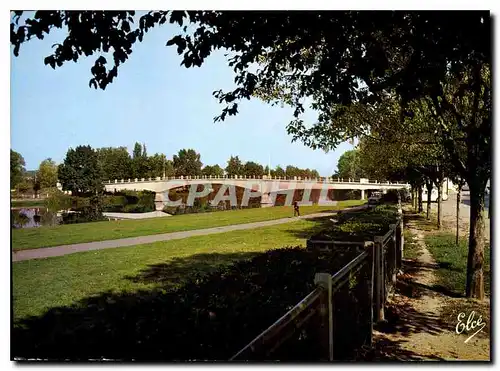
(60, 281)
(453, 261)
(31, 238)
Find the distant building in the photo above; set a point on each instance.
(447, 187)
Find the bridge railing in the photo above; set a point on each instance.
(273, 178)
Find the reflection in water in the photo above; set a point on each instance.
(31, 217)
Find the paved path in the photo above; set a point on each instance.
(109, 244)
(424, 329)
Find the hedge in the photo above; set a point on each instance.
(359, 226)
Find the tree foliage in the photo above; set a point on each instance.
(115, 162)
(234, 166)
(140, 163)
(214, 170)
(253, 169)
(278, 171)
(159, 166)
(187, 162)
(349, 166)
(47, 174)
(80, 172)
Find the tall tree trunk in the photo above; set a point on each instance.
(440, 202)
(458, 212)
(413, 202)
(475, 259)
(429, 199)
(420, 206)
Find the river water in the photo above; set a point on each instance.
(32, 217)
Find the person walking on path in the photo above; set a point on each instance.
(296, 211)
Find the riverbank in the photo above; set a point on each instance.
(109, 230)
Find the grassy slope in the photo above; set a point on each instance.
(60, 281)
(30, 238)
(453, 261)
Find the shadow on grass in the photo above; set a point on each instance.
(201, 307)
(412, 266)
(415, 290)
(208, 317)
(179, 271)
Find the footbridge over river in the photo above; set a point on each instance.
(267, 187)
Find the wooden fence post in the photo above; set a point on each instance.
(379, 278)
(326, 311)
(371, 275)
(393, 256)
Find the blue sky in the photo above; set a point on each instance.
(155, 101)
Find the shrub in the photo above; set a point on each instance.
(86, 215)
(113, 203)
(136, 209)
(172, 210)
(391, 196)
(79, 203)
(146, 200)
(129, 202)
(209, 317)
(114, 200)
(57, 200)
(361, 225)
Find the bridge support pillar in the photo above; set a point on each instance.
(362, 194)
(159, 201)
(265, 200)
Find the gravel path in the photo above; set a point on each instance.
(109, 244)
(421, 334)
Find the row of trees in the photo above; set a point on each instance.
(117, 163)
(236, 167)
(23, 181)
(416, 81)
(85, 168)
